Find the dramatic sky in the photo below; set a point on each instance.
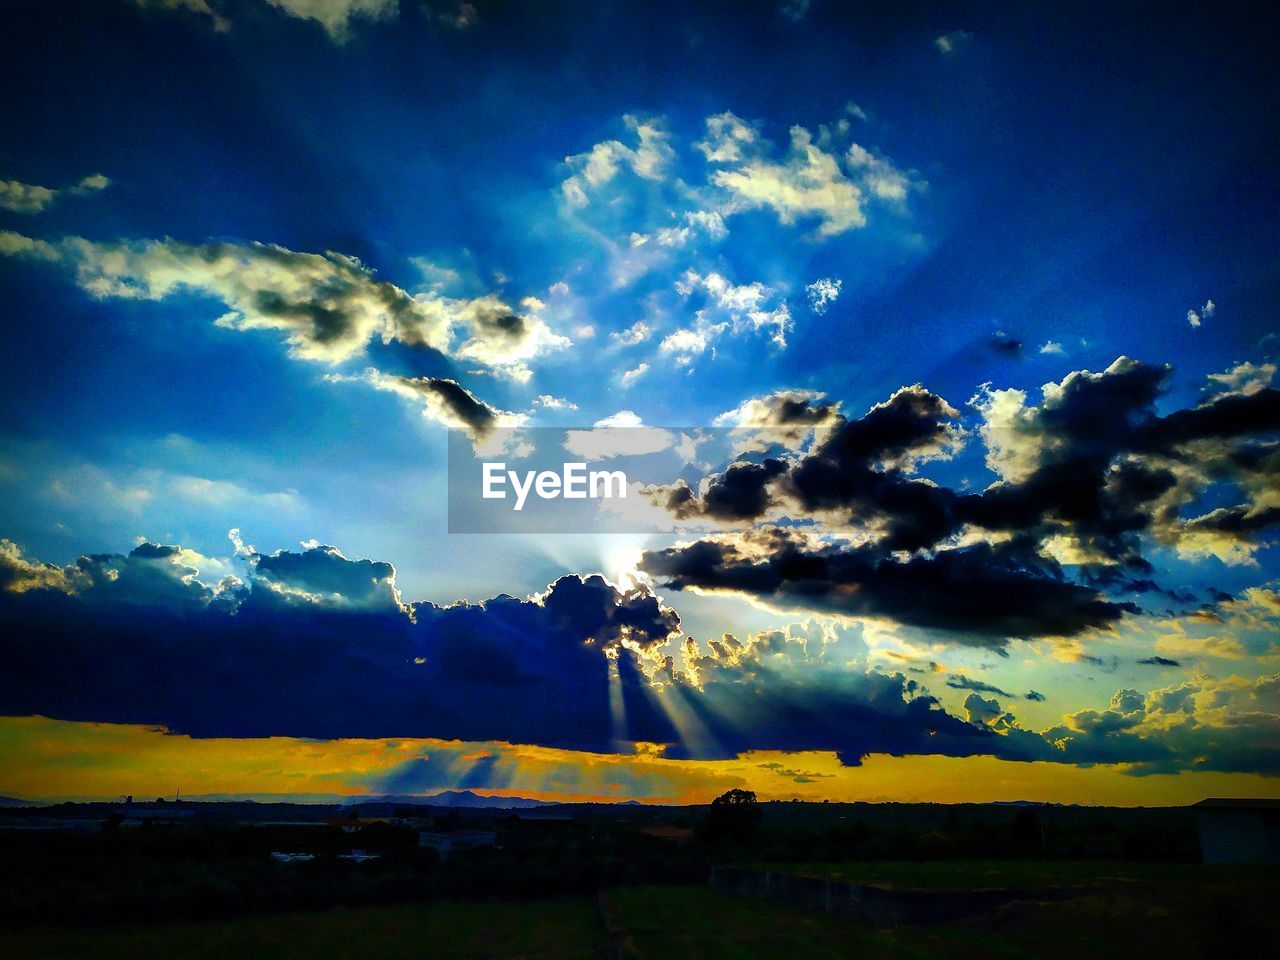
(1005, 278)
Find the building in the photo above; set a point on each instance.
(446, 842)
(1239, 831)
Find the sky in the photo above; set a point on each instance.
(1002, 280)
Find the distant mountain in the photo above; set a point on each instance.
(15, 802)
(457, 798)
(466, 798)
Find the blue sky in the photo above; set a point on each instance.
(679, 207)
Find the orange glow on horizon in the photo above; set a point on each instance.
(50, 759)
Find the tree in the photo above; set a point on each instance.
(733, 818)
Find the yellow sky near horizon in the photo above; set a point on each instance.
(46, 759)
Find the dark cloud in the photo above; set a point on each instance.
(1005, 345)
(1034, 695)
(1092, 473)
(983, 593)
(313, 644)
(449, 402)
(968, 683)
(739, 493)
(1158, 661)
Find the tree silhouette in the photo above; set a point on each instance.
(733, 818)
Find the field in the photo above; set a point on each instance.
(1027, 874)
(554, 929)
(1123, 910)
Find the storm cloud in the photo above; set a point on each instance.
(1086, 483)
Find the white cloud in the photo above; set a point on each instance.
(808, 183)
(688, 342)
(822, 293)
(328, 306)
(948, 43)
(1195, 317)
(631, 376)
(620, 434)
(1052, 348)
(638, 332)
(337, 16)
(727, 137)
(17, 197)
(596, 167)
(1245, 378)
(547, 401)
(877, 175)
(16, 245)
(745, 305)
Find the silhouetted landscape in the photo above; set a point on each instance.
(620, 480)
(734, 878)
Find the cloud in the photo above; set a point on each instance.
(1022, 594)
(687, 343)
(1005, 345)
(18, 574)
(981, 711)
(1052, 348)
(790, 418)
(794, 10)
(1097, 463)
(649, 159)
(1089, 480)
(745, 306)
(820, 180)
(311, 643)
(16, 245)
(822, 293)
(315, 644)
(620, 434)
(961, 682)
(629, 377)
(445, 401)
(337, 17)
(200, 7)
(327, 307)
(1158, 661)
(461, 16)
(949, 43)
(1228, 725)
(729, 137)
(807, 184)
(1244, 378)
(637, 333)
(548, 402)
(783, 409)
(29, 198)
(1195, 317)
(860, 471)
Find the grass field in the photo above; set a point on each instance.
(1026, 874)
(552, 929)
(1129, 910)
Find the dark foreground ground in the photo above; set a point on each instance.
(1120, 910)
